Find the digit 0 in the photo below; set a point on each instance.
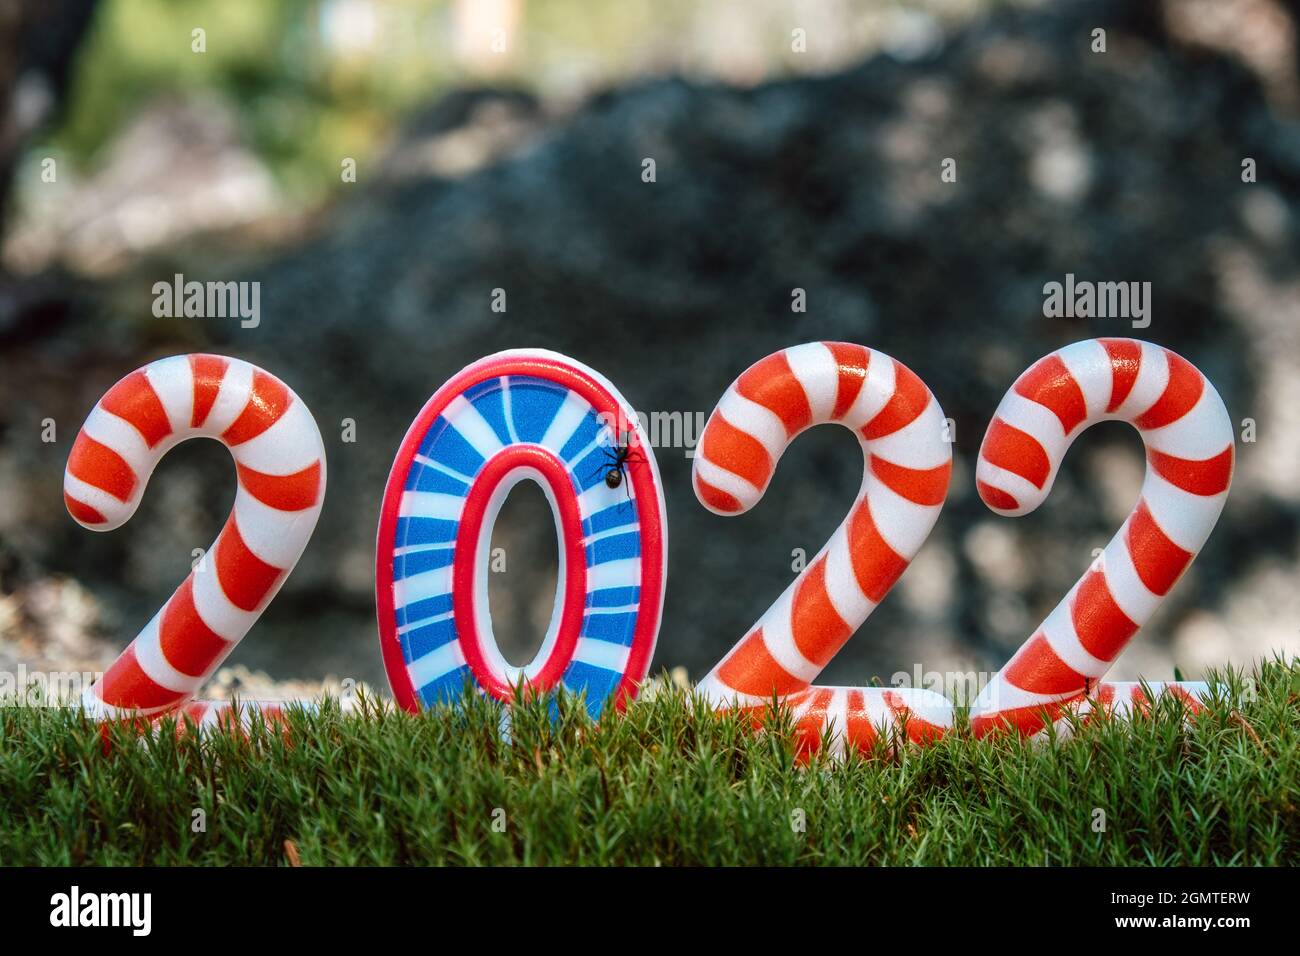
(514, 416)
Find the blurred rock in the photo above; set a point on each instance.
(1117, 166)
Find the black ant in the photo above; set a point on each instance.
(617, 459)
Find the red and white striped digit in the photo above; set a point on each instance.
(280, 462)
(1189, 449)
(907, 466)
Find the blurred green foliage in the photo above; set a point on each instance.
(312, 81)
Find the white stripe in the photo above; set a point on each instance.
(420, 587)
(277, 537)
(437, 663)
(291, 444)
(1185, 518)
(814, 365)
(232, 398)
(149, 655)
(472, 426)
(620, 609)
(1089, 364)
(115, 512)
(842, 582)
(425, 622)
(443, 469)
(430, 504)
(903, 524)
(173, 381)
(725, 481)
(1204, 432)
(597, 653)
(121, 436)
(1152, 378)
(1126, 587)
(1036, 420)
(1064, 640)
(222, 617)
(1028, 495)
(625, 572)
(778, 637)
(875, 393)
(918, 444)
(756, 420)
(508, 410)
(566, 421)
(632, 528)
(837, 720)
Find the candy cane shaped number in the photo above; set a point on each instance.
(525, 414)
(907, 467)
(1189, 449)
(280, 463)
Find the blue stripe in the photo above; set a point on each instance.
(582, 436)
(614, 548)
(597, 682)
(614, 628)
(489, 400)
(450, 448)
(419, 610)
(413, 531)
(447, 689)
(424, 478)
(533, 406)
(417, 562)
(592, 469)
(613, 597)
(420, 641)
(614, 516)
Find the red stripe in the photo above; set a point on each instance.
(1102, 627)
(908, 401)
(819, 631)
(125, 684)
(1125, 363)
(852, 361)
(1025, 720)
(922, 486)
(99, 465)
(1210, 476)
(1039, 669)
(996, 497)
(918, 731)
(859, 731)
(1049, 383)
(244, 577)
(134, 399)
(283, 492)
(1180, 396)
(808, 728)
(1018, 452)
(82, 511)
(875, 564)
(207, 371)
(269, 400)
(188, 644)
(716, 498)
(1158, 560)
(772, 384)
(751, 669)
(736, 450)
